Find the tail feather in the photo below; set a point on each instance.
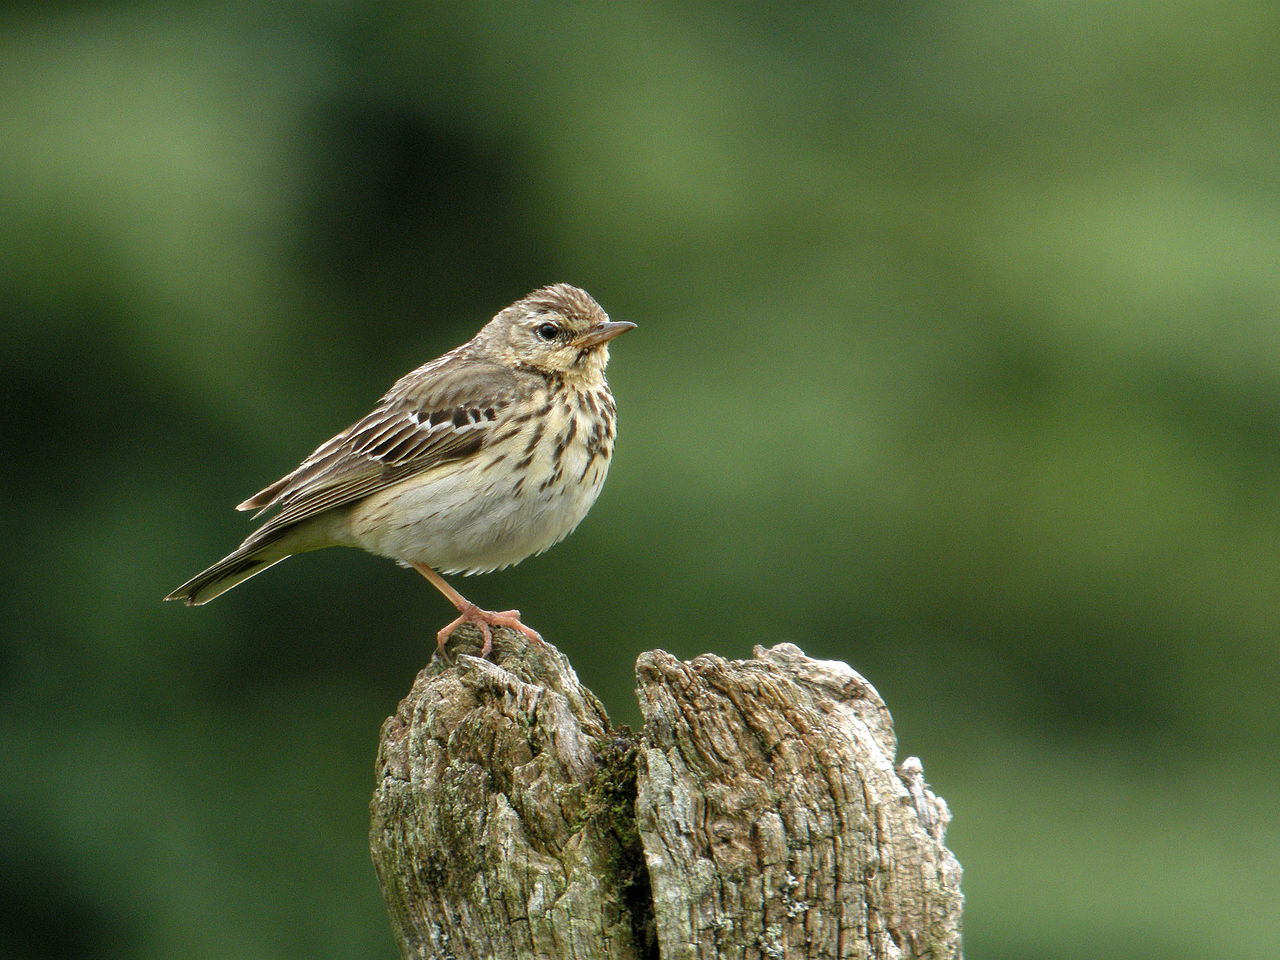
(226, 573)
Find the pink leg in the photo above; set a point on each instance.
(483, 619)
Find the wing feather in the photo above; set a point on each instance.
(439, 413)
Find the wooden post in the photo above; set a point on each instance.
(759, 814)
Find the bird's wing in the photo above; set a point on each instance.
(440, 412)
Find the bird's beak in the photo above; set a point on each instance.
(604, 332)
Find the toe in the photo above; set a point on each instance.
(528, 631)
(488, 639)
(447, 631)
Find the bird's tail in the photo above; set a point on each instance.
(246, 561)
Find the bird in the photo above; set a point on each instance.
(489, 454)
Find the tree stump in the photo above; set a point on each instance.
(758, 814)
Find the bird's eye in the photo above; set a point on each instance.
(547, 332)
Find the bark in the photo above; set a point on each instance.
(758, 814)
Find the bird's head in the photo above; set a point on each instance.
(556, 329)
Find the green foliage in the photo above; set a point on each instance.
(957, 360)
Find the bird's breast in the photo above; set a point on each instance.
(522, 492)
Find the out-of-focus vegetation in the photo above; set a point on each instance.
(958, 360)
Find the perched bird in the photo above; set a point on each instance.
(474, 461)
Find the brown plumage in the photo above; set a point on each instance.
(472, 462)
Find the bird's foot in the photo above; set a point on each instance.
(484, 621)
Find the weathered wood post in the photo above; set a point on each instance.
(758, 814)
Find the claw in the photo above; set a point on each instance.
(483, 621)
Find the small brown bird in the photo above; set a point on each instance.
(480, 458)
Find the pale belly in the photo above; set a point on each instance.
(470, 520)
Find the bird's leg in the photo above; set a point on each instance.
(483, 619)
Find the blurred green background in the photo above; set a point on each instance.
(958, 360)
